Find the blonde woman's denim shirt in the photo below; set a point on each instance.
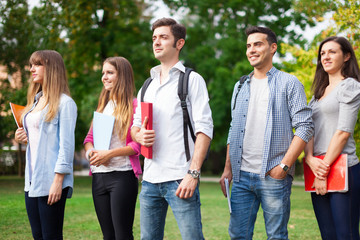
(55, 149)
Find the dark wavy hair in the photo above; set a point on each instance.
(178, 30)
(271, 36)
(349, 69)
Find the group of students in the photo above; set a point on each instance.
(261, 148)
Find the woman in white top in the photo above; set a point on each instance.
(335, 106)
(49, 122)
(115, 171)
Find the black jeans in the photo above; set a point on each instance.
(338, 213)
(46, 221)
(114, 195)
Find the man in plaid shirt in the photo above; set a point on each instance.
(262, 146)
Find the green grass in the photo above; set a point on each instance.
(81, 222)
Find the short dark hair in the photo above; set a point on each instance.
(271, 36)
(178, 30)
(349, 69)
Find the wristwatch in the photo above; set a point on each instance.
(194, 173)
(284, 167)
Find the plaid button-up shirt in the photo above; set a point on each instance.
(287, 110)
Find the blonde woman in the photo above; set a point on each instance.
(49, 122)
(115, 171)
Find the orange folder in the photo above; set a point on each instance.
(147, 111)
(337, 180)
(17, 110)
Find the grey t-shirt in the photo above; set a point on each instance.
(337, 111)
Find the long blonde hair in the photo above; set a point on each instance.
(122, 94)
(54, 83)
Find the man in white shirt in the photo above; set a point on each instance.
(169, 178)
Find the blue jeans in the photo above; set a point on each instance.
(154, 202)
(46, 221)
(338, 213)
(246, 197)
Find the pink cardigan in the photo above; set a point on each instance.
(134, 159)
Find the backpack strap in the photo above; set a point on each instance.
(144, 87)
(241, 82)
(182, 93)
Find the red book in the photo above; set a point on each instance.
(17, 111)
(147, 111)
(337, 180)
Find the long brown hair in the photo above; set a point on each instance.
(350, 68)
(122, 94)
(54, 84)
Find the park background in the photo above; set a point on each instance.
(85, 32)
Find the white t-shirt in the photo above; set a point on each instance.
(255, 126)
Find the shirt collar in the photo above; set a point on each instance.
(271, 72)
(155, 71)
(38, 95)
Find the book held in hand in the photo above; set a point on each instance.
(17, 111)
(227, 188)
(337, 179)
(147, 111)
(102, 130)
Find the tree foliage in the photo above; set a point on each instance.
(15, 32)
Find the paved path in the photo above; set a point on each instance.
(85, 172)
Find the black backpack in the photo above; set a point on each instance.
(182, 93)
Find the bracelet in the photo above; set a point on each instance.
(87, 153)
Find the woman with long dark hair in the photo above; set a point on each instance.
(335, 106)
(115, 171)
(49, 122)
